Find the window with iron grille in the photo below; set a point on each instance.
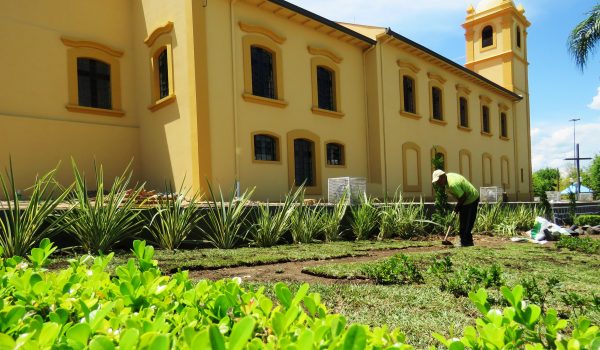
(325, 88)
(265, 148)
(335, 154)
(304, 162)
(263, 76)
(487, 36)
(408, 85)
(485, 119)
(93, 83)
(436, 101)
(464, 112)
(163, 74)
(503, 125)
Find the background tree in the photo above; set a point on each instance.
(546, 179)
(593, 176)
(584, 37)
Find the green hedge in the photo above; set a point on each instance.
(587, 220)
(83, 307)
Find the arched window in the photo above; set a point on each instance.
(518, 36)
(326, 88)
(163, 74)
(304, 162)
(485, 119)
(263, 74)
(503, 125)
(487, 36)
(408, 85)
(436, 103)
(335, 154)
(464, 112)
(265, 147)
(93, 83)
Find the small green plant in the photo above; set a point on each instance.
(364, 218)
(580, 244)
(39, 256)
(398, 269)
(100, 223)
(23, 228)
(332, 219)
(537, 293)
(587, 220)
(576, 302)
(174, 220)
(271, 225)
(224, 222)
(441, 266)
(461, 282)
(506, 228)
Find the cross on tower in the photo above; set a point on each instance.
(577, 159)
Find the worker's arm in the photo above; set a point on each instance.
(460, 202)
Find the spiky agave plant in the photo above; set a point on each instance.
(364, 218)
(307, 222)
(224, 222)
(332, 219)
(271, 225)
(174, 220)
(98, 224)
(21, 229)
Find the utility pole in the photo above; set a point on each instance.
(576, 158)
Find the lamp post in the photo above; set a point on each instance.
(575, 155)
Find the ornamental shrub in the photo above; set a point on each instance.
(587, 220)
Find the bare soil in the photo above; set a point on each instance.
(292, 271)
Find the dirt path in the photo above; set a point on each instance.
(292, 271)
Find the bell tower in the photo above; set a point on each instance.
(496, 42)
(496, 38)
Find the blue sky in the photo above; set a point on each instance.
(559, 91)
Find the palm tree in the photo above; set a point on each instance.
(584, 37)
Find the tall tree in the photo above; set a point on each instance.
(545, 180)
(593, 174)
(584, 37)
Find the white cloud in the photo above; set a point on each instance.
(552, 144)
(595, 101)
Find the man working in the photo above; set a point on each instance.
(467, 199)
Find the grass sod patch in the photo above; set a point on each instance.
(211, 259)
(418, 308)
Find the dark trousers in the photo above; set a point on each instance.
(467, 215)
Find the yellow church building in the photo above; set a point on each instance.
(262, 92)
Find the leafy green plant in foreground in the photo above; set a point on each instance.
(139, 308)
(83, 306)
(270, 226)
(521, 326)
(174, 220)
(23, 228)
(224, 222)
(100, 223)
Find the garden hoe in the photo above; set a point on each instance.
(446, 241)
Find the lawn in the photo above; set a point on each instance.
(420, 309)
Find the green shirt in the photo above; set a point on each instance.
(458, 186)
